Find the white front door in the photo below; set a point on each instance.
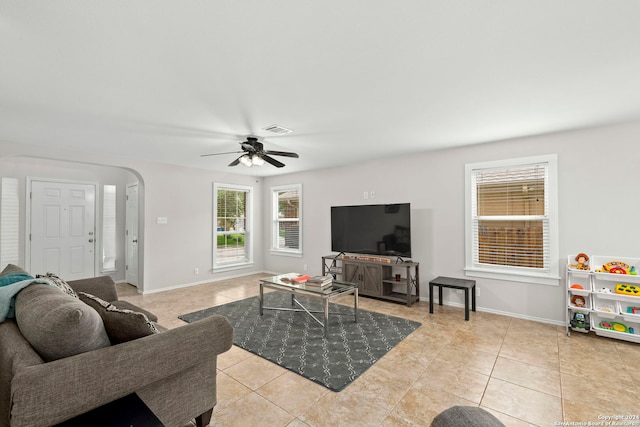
(132, 235)
(62, 229)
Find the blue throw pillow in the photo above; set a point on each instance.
(10, 285)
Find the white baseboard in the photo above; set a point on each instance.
(502, 313)
(202, 282)
(425, 299)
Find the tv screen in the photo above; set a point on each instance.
(372, 229)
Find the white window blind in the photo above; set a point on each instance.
(512, 225)
(9, 221)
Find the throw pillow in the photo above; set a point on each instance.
(59, 283)
(121, 325)
(56, 324)
(13, 269)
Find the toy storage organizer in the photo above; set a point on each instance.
(607, 303)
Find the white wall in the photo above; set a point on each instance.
(598, 191)
(185, 197)
(599, 174)
(23, 167)
(169, 252)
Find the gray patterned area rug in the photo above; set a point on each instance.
(295, 341)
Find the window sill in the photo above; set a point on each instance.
(538, 279)
(229, 267)
(286, 253)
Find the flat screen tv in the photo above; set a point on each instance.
(372, 229)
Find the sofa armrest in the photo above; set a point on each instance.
(65, 388)
(15, 354)
(102, 286)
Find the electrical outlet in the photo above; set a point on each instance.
(372, 195)
(196, 271)
(366, 195)
(304, 267)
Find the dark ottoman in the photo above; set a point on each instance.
(465, 416)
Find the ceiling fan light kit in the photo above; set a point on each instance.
(254, 154)
(257, 160)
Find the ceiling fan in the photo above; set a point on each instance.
(254, 154)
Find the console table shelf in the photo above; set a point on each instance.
(377, 277)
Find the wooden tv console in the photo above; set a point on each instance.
(376, 276)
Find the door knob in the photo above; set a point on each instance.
(135, 240)
(90, 240)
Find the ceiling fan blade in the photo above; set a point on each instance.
(272, 161)
(217, 154)
(282, 153)
(235, 162)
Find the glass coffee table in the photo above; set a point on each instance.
(284, 283)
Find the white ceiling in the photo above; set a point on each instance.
(168, 80)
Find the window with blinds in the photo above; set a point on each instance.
(287, 221)
(232, 216)
(9, 222)
(511, 220)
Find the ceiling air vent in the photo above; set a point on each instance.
(278, 129)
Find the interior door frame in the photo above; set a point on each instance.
(97, 218)
(128, 222)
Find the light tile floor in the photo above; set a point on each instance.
(525, 373)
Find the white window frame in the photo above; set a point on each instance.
(248, 235)
(550, 273)
(275, 220)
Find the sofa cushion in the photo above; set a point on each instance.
(101, 286)
(10, 284)
(56, 324)
(126, 305)
(121, 325)
(59, 283)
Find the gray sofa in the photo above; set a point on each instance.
(173, 371)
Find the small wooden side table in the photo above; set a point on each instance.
(450, 282)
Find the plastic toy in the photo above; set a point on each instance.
(605, 291)
(582, 262)
(625, 289)
(613, 326)
(620, 327)
(616, 267)
(577, 286)
(578, 301)
(580, 321)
